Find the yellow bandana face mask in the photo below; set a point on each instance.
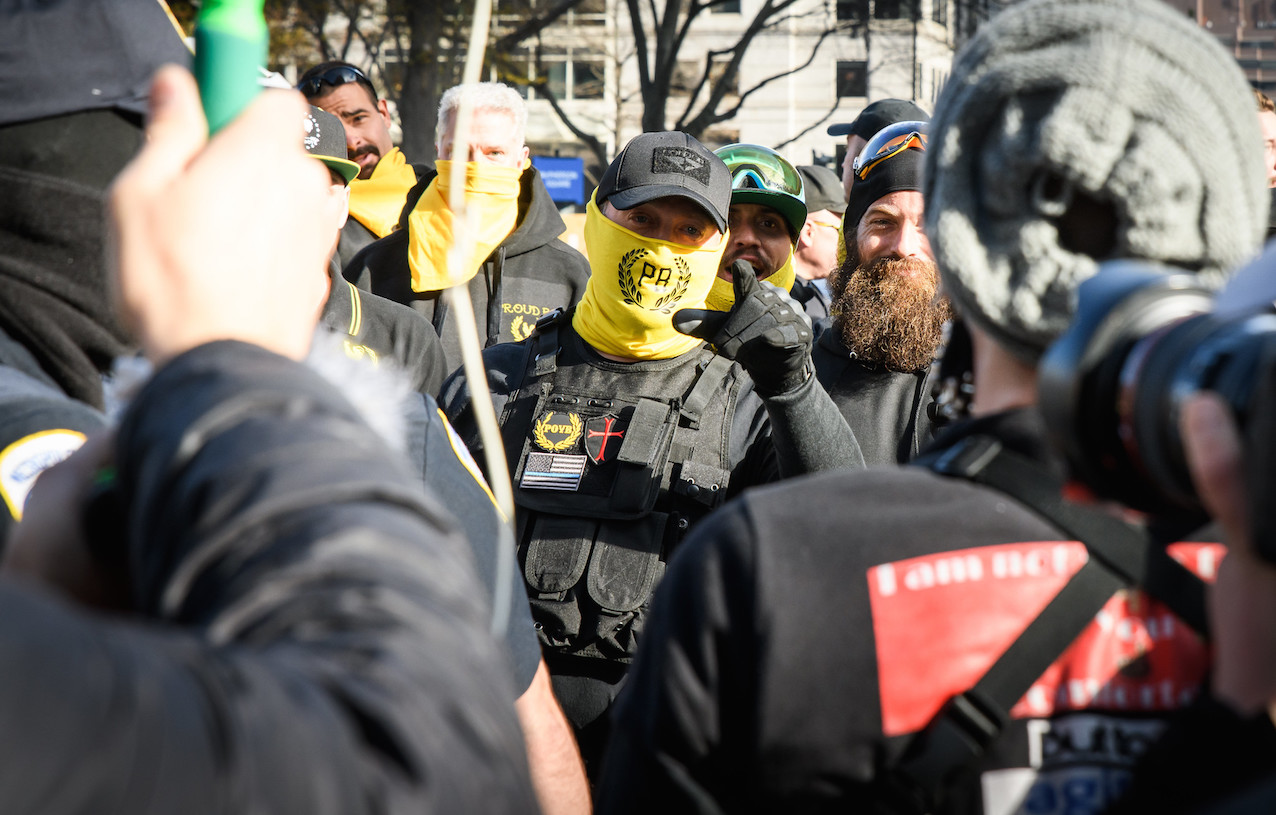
(377, 201)
(491, 192)
(635, 286)
(722, 294)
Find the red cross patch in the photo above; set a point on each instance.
(599, 436)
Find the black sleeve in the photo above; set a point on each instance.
(793, 434)
(683, 724)
(39, 426)
(809, 433)
(454, 477)
(316, 640)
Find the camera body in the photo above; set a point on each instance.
(1143, 339)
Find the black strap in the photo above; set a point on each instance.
(1121, 554)
(495, 286)
(440, 313)
(706, 386)
(542, 360)
(545, 345)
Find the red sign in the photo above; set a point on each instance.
(940, 621)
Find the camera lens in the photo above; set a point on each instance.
(1112, 387)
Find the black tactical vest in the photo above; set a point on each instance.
(612, 469)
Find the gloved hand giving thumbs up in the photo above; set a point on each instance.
(766, 332)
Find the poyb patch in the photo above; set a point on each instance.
(557, 430)
(603, 437)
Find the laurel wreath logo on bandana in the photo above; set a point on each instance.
(555, 431)
(662, 279)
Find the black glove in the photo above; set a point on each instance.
(766, 332)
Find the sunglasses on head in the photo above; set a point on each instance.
(340, 75)
(887, 142)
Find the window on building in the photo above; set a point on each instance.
(685, 76)
(852, 78)
(725, 7)
(939, 11)
(849, 11)
(718, 68)
(888, 9)
(588, 12)
(570, 72)
(588, 75)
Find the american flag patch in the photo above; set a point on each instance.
(552, 471)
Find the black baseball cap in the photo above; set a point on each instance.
(66, 56)
(325, 139)
(667, 164)
(879, 114)
(824, 189)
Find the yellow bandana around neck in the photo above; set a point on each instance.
(635, 286)
(377, 201)
(491, 193)
(722, 294)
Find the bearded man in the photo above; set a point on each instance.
(888, 319)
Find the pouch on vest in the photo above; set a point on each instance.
(555, 562)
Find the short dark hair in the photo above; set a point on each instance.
(324, 67)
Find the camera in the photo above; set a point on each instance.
(1144, 338)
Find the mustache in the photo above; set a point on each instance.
(367, 149)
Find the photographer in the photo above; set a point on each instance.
(862, 640)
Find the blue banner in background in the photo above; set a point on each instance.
(564, 178)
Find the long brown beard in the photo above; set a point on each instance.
(886, 316)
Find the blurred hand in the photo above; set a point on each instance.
(765, 331)
(1242, 602)
(220, 239)
(50, 545)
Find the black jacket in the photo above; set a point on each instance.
(379, 332)
(355, 236)
(310, 636)
(888, 410)
(808, 628)
(39, 426)
(529, 275)
(377, 329)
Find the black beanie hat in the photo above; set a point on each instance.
(901, 172)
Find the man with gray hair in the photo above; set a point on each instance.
(519, 270)
(837, 642)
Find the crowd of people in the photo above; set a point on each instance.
(789, 530)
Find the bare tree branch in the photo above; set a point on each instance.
(533, 25)
(708, 116)
(828, 114)
(595, 146)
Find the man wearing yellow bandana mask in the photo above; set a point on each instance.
(519, 269)
(622, 432)
(378, 194)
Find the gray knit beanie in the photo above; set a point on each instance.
(1071, 131)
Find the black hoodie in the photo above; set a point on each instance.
(529, 275)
